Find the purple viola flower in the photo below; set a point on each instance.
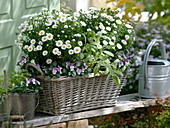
(78, 63)
(86, 66)
(59, 69)
(38, 65)
(71, 67)
(68, 64)
(54, 70)
(79, 70)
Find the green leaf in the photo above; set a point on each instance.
(96, 69)
(81, 55)
(116, 79)
(118, 72)
(109, 53)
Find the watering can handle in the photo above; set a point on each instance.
(146, 56)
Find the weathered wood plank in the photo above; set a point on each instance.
(125, 103)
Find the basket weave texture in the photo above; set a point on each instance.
(69, 95)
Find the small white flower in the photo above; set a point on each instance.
(42, 32)
(114, 38)
(103, 31)
(40, 43)
(111, 43)
(105, 42)
(119, 46)
(64, 46)
(118, 21)
(89, 30)
(26, 47)
(108, 28)
(76, 14)
(45, 53)
(65, 26)
(80, 43)
(69, 46)
(39, 47)
(71, 52)
(128, 26)
(33, 41)
(45, 9)
(101, 26)
(54, 26)
(77, 35)
(99, 46)
(30, 48)
(58, 53)
(48, 23)
(49, 36)
(127, 37)
(115, 32)
(67, 42)
(77, 50)
(59, 43)
(30, 27)
(20, 36)
(63, 19)
(129, 31)
(44, 38)
(82, 23)
(49, 61)
(55, 50)
(114, 25)
(20, 45)
(35, 49)
(124, 42)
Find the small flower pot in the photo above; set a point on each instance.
(20, 104)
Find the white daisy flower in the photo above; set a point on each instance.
(127, 37)
(20, 45)
(114, 38)
(67, 42)
(44, 38)
(40, 43)
(49, 61)
(59, 43)
(103, 31)
(114, 25)
(35, 49)
(115, 32)
(58, 53)
(118, 21)
(69, 46)
(105, 42)
(42, 32)
(71, 52)
(76, 14)
(26, 47)
(80, 43)
(64, 46)
(45, 53)
(49, 36)
(77, 50)
(54, 26)
(99, 46)
(65, 26)
(48, 23)
(82, 23)
(20, 36)
(124, 42)
(129, 31)
(101, 26)
(30, 48)
(30, 27)
(111, 43)
(33, 41)
(108, 28)
(39, 47)
(119, 46)
(55, 50)
(63, 19)
(89, 30)
(128, 26)
(45, 9)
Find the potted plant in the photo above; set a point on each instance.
(75, 45)
(19, 94)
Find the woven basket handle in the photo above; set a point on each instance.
(36, 67)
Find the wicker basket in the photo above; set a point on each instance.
(69, 95)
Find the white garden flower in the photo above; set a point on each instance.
(99, 46)
(20, 45)
(58, 53)
(89, 30)
(39, 47)
(64, 46)
(118, 21)
(55, 50)
(80, 43)
(63, 19)
(42, 32)
(82, 23)
(59, 43)
(33, 41)
(44, 38)
(115, 25)
(35, 49)
(114, 38)
(128, 26)
(101, 26)
(69, 46)
(129, 30)
(48, 23)
(111, 43)
(67, 42)
(49, 61)
(77, 50)
(20, 36)
(127, 37)
(45, 9)
(30, 27)
(108, 28)
(30, 48)
(71, 52)
(45, 53)
(115, 32)
(54, 26)
(105, 42)
(49, 36)
(119, 46)
(40, 43)
(26, 47)
(76, 14)
(65, 26)
(124, 42)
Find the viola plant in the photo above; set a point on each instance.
(97, 38)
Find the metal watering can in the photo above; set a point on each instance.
(154, 75)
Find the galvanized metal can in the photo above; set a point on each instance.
(154, 75)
